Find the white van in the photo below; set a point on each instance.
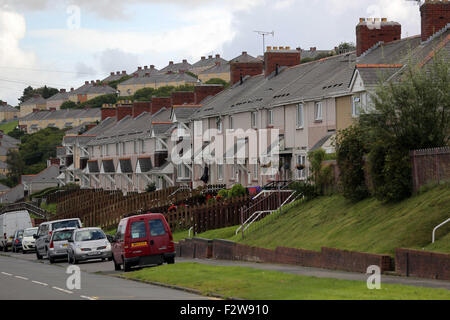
(10, 222)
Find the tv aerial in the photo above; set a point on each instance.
(264, 34)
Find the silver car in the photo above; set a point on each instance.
(88, 244)
(59, 243)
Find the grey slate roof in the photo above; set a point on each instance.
(245, 58)
(209, 62)
(3, 188)
(59, 96)
(114, 77)
(63, 114)
(13, 195)
(304, 54)
(160, 78)
(34, 100)
(47, 175)
(303, 82)
(143, 71)
(176, 67)
(8, 108)
(183, 112)
(218, 68)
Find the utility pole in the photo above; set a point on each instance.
(264, 34)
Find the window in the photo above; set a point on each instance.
(183, 172)
(138, 230)
(318, 111)
(301, 161)
(89, 235)
(231, 122)
(143, 146)
(156, 228)
(270, 117)
(254, 117)
(219, 124)
(136, 146)
(255, 172)
(220, 172)
(120, 234)
(43, 230)
(300, 121)
(123, 150)
(62, 235)
(66, 224)
(357, 105)
(117, 149)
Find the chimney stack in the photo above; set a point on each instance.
(112, 73)
(283, 57)
(244, 65)
(63, 90)
(124, 72)
(435, 15)
(170, 63)
(371, 31)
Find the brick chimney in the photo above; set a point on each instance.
(202, 58)
(124, 110)
(184, 61)
(62, 90)
(72, 89)
(124, 72)
(52, 109)
(204, 91)
(183, 97)
(217, 56)
(112, 73)
(244, 65)
(3, 103)
(86, 82)
(139, 68)
(90, 126)
(283, 57)
(160, 102)
(435, 16)
(170, 63)
(373, 30)
(117, 73)
(141, 107)
(108, 111)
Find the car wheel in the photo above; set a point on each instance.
(116, 265)
(5, 248)
(126, 266)
(51, 260)
(24, 251)
(38, 256)
(170, 260)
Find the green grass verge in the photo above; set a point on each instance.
(366, 226)
(50, 207)
(8, 127)
(253, 284)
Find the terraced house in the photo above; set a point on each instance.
(62, 119)
(90, 90)
(305, 104)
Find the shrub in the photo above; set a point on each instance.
(350, 150)
(150, 187)
(238, 191)
(304, 189)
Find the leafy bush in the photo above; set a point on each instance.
(150, 187)
(350, 150)
(224, 193)
(238, 191)
(304, 189)
(322, 176)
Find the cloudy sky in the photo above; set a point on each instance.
(62, 43)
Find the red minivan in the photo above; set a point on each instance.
(143, 240)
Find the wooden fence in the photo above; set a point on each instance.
(430, 166)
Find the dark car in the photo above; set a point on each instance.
(17, 241)
(143, 240)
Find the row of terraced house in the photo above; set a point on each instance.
(307, 104)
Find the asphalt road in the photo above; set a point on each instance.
(22, 277)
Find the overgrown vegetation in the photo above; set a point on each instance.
(145, 94)
(410, 114)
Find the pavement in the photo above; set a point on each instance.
(23, 277)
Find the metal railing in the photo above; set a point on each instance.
(25, 206)
(437, 227)
(257, 215)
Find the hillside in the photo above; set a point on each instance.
(367, 226)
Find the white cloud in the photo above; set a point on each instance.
(12, 57)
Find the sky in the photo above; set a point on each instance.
(62, 43)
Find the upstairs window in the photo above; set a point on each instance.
(300, 117)
(318, 111)
(254, 117)
(270, 117)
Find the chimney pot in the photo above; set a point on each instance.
(210, 57)
(139, 68)
(203, 58)
(217, 56)
(244, 53)
(152, 67)
(118, 73)
(184, 61)
(63, 90)
(170, 63)
(86, 82)
(112, 73)
(145, 67)
(72, 89)
(124, 72)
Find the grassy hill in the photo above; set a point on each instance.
(367, 226)
(9, 126)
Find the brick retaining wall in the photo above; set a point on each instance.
(423, 264)
(327, 258)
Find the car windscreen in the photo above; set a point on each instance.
(19, 234)
(62, 235)
(65, 224)
(30, 232)
(89, 235)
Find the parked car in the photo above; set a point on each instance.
(45, 232)
(59, 244)
(88, 244)
(17, 241)
(10, 222)
(143, 240)
(28, 242)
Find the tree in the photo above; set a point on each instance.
(45, 92)
(411, 113)
(16, 167)
(218, 81)
(69, 105)
(99, 101)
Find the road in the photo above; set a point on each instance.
(22, 277)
